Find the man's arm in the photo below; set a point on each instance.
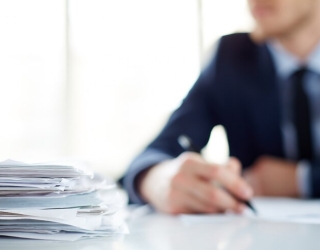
(270, 176)
(178, 184)
(195, 118)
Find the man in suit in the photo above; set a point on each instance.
(264, 88)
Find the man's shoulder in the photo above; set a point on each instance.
(241, 42)
(239, 48)
(244, 36)
(239, 54)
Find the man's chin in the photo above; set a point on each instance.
(261, 34)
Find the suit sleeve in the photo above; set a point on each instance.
(195, 118)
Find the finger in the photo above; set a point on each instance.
(253, 181)
(234, 165)
(199, 190)
(211, 196)
(186, 203)
(183, 194)
(232, 182)
(224, 201)
(193, 164)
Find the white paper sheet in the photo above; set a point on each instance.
(66, 236)
(287, 210)
(269, 209)
(61, 214)
(59, 237)
(11, 168)
(88, 223)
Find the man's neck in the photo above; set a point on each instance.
(302, 41)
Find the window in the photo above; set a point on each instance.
(32, 78)
(97, 79)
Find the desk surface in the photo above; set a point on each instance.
(162, 232)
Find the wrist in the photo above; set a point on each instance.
(141, 184)
(153, 184)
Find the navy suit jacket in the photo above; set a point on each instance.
(238, 90)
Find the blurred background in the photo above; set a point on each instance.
(97, 79)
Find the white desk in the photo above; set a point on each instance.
(162, 232)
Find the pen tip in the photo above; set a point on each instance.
(252, 208)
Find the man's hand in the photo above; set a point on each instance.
(187, 185)
(273, 177)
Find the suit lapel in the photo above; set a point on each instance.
(265, 108)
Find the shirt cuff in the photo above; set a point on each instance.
(303, 179)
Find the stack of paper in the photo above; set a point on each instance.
(57, 202)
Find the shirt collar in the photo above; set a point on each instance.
(287, 63)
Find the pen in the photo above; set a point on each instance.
(187, 144)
